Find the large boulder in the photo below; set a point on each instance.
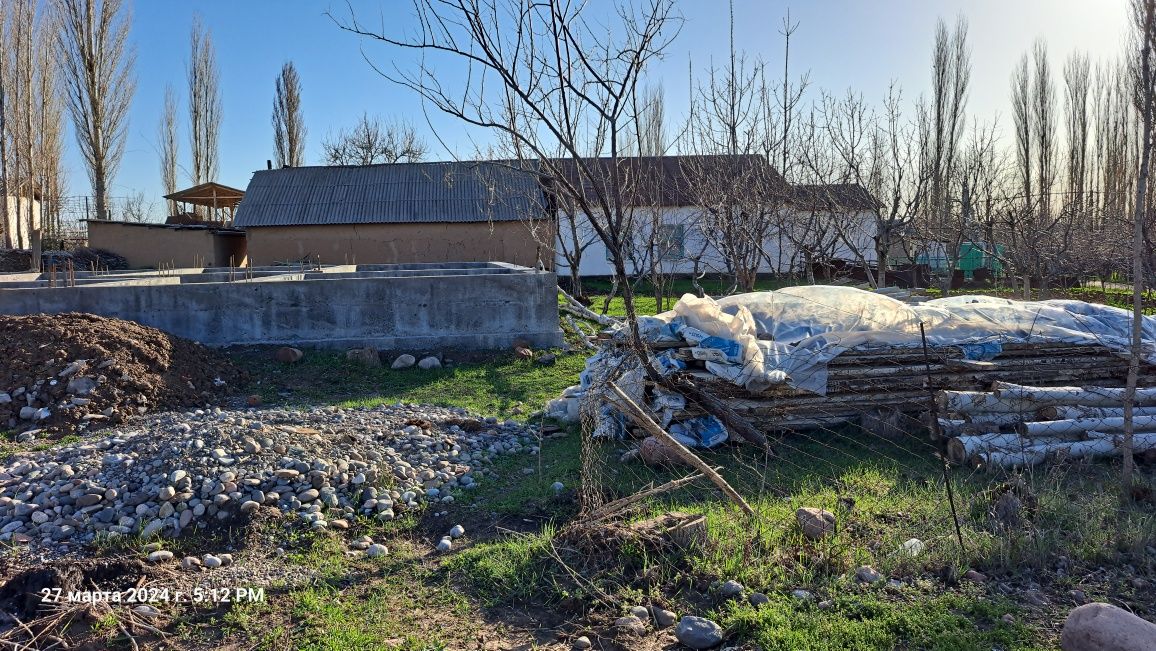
(1104, 627)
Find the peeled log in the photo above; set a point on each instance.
(1104, 627)
(1099, 444)
(1081, 425)
(1069, 412)
(1089, 397)
(954, 427)
(995, 420)
(966, 448)
(977, 401)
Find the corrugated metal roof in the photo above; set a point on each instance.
(395, 193)
(833, 196)
(674, 180)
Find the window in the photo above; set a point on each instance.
(671, 241)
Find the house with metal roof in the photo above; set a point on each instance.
(397, 213)
(678, 205)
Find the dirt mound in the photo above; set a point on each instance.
(15, 260)
(67, 371)
(96, 259)
(24, 594)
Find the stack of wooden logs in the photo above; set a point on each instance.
(1014, 425)
(901, 380)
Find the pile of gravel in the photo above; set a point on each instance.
(173, 473)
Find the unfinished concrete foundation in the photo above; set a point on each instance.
(470, 305)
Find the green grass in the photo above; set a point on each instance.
(501, 386)
(898, 494)
(9, 446)
(868, 621)
(514, 569)
(398, 605)
(645, 301)
(897, 487)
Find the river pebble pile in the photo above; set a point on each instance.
(177, 471)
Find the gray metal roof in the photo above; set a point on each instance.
(386, 194)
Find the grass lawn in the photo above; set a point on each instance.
(597, 291)
(514, 576)
(502, 385)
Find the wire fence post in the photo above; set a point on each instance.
(934, 411)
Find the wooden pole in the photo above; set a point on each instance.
(1067, 412)
(1081, 425)
(1084, 397)
(647, 423)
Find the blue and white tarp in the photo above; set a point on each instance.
(762, 339)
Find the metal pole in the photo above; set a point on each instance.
(938, 435)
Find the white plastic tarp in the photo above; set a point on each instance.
(789, 335)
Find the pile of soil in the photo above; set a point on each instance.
(84, 370)
(15, 261)
(22, 595)
(100, 259)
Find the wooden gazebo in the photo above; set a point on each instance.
(219, 200)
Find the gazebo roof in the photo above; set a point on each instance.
(211, 195)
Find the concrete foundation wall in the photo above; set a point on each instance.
(391, 309)
(150, 246)
(508, 241)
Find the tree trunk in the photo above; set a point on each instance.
(881, 262)
(658, 294)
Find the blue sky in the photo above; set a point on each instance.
(862, 44)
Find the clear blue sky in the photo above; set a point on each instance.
(843, 43)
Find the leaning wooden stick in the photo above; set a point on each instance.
(574, 307)
(619, 505)
(647, 423)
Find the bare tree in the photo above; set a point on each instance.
(660, 243)
(204, 81)
(169, 146)
(1044, 125)
(1077, 88)
(50, 127)
(23, 43)
(288, 121)
(372, 142)
(19, 26)
(1039, 233)
(136, 208)
(532, 68)
(737, 193)
(1144, 87)
(97, 65)
(6, 225)
(886, 164)
(945, 119)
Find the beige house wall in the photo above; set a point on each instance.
(509, 241)
(147, 246)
